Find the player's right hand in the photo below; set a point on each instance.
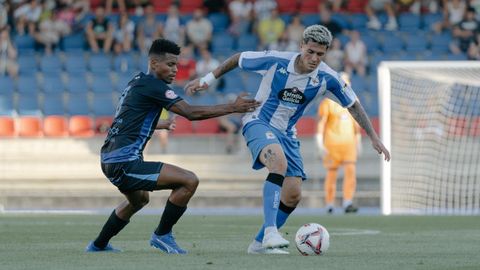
(243, 105)
(194, 86)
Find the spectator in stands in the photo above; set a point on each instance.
(148, 30)
(123, 34)
(8, 54)
(26, 16)
(4, 9)
(295, 29)
(270, 29)
(453, 12)
(465, 32)
(206, 64)
(335, 55)
(72, 13)
(231, 124)
(99, 32)
(199, 30)
(326, 20)
(185, 67)
(172, 29)
(355, 55)
(240, 12)
(283, 44)
(375, 6)
(50, 31)
(474, 49)
(263, 8)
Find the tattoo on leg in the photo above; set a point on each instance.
(270, 157)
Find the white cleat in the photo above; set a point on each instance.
(257, 248)
(273, 239)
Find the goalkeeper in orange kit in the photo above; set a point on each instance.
(339, 140)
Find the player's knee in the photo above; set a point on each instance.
(192, 182)
(293, 198)
(141, 202)
(279, 167)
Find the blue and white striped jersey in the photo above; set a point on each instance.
(284, 94)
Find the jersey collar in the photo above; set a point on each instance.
(291, 68)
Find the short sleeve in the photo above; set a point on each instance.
(161, 93)
(257, 61)
(340, 92)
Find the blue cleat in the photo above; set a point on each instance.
(166, 243)
(92, 248)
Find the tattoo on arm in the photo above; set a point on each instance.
(359, 114)
(229, 64)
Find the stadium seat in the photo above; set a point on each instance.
(55, 126)
(27, 65)
(341, 19)
(7, 126)
(125, 63)
(102, 124)
(287, 6)
(252, 82)
(6, 104)
(28, 105)
(409, 22)
(233, 83)
(222, 44)
(359, 83)
(183, 126)
(53, 105)
(308, 6)
(29, 126)
(358, 21)
(102, 84)
(415, 43)
(53, 84)
(74, 43)
(80, 126)
(220, 22)
(77, 84)
(51, 64)
(392, 44)
(431, 18)
(370, 42)
(306, 126)
(247, 43)
(207, 127)
(78, 104)
(103, 105)
(310, 19)
(8, 85)
(24, 43)
(27, 85)
(75, 65)
(100, 64)
(188, 6)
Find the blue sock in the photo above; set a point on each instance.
(272, 189)
(282, 216)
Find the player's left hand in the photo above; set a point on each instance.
(243, 104)
(194, 86)
(378, 145)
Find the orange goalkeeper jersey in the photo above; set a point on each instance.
(340, 127)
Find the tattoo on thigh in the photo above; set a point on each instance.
(270, 157)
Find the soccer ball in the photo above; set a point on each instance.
(312, 239)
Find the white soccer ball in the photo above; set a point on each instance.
(312, 239)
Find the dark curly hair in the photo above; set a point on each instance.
(162, 46)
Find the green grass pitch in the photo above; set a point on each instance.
(32, 241)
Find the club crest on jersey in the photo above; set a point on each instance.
(282, 71)
(170, 94)
(269, 135)
(314, 82)
(291, 95)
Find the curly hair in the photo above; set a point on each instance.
(319, 34)
(162, 46)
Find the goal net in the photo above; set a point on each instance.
(430, 121)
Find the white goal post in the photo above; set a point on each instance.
(430, 122)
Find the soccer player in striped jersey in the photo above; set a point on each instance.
(136, 118)
(291, 81)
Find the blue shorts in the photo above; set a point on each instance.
(259, 134)
(133, 175)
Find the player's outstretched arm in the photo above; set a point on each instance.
(203, 83)
(359, 114)
(191, 112)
